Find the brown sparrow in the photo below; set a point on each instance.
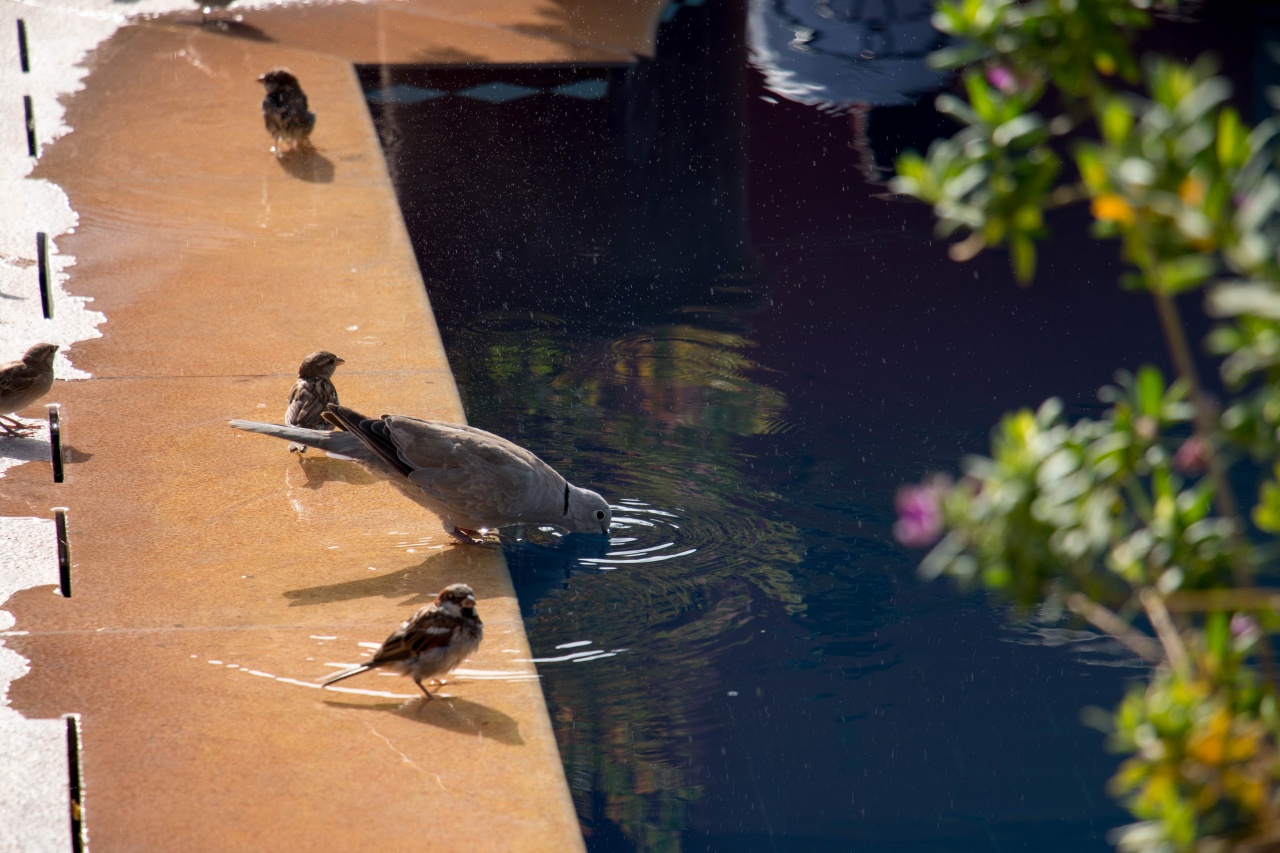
(474, 480)
(207, 7)
(284, 110)
(431, 643)
(311, 393)
(22, 383)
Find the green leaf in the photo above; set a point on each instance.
(1185, 273)
(1116, 120)
(1232, 141)
(1023, 250)
(1019, 129)
(1149, 391)
(1267, 512)
(1256, 298)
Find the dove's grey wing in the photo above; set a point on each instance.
(478, 473)
(17, 377)
(426, 629)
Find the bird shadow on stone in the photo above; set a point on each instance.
(320, 469)
(308, 164)
(447, 55)
(453, 714)
(74, 456)
(416, 582)
(24, 449)
(419, 583)
(231, 29)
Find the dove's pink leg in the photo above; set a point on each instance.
(467, 537)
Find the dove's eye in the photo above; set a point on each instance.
(600, 515)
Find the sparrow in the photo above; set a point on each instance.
(207, 6)
(431, 643)
(22, 383)
(472, 479)
(311, 393)
(284, 110)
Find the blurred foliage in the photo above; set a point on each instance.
(1132, 520)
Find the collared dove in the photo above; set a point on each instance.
(472, 479)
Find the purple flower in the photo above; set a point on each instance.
(1192, 457)
(1244, 627)
(1002, 78)
(919, 507)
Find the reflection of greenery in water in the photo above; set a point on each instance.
(655, 414)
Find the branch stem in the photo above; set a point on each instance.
(1102, 618)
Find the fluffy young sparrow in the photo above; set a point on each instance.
(284, 110)
(22, 383)
(311, 393)
(474, 480)
(431, 643)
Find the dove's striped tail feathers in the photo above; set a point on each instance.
(346, 673)
(372, 433)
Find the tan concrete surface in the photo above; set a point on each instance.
(454, 31)
(218, 269)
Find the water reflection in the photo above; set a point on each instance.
(656, 413)
(837, 53)
(749, 663)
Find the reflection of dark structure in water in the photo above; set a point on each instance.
(835, 54)
(538, 188)
(864, 57)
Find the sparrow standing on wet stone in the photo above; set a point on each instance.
(474, 480)
(207, 7)
(311, 393)
(284, 110)
(22, 383)
(431, 643)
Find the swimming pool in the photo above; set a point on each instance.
(686, 293)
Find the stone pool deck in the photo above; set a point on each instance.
(215, 575)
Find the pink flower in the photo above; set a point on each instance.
(1002, 78)
(1192, 457)
(1244, 627)
(919, 507)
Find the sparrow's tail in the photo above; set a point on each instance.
(333, 441)
(346, 673)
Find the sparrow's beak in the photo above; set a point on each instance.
(342, 361)
(262, 78)
(469, 601)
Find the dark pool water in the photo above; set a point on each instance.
(684, 291)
